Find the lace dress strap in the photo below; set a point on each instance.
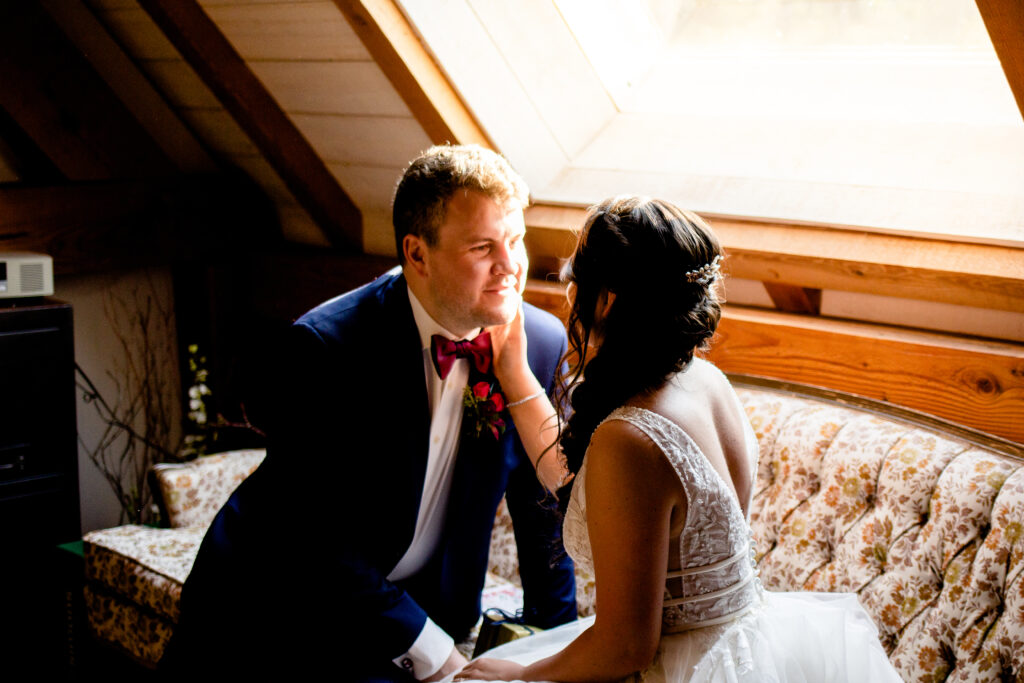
(717, 575)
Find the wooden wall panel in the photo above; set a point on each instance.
(226, 73)
(144, 99)
(137, 33)
(794, 299)
(180, 85)
(358, 88)
(7, 174)
(107, 226)
(260, 170)
(221, 132)
(397, 48)
(297, 226)
(21, 157)
(57, 98)
(374, 185)
(378, 232)
(197, 106)
(369, 140)
(301, 31)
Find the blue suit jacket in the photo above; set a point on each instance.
(312, 535)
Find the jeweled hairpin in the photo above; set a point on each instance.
(706, 273)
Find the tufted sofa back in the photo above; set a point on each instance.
(918, 518)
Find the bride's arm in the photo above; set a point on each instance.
(528, 403)
(631, 492)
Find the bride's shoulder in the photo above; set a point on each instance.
(707, 370)
(621, 438)
(709, 379)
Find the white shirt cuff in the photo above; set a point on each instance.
(429, 651)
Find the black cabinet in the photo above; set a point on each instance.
(39, 505)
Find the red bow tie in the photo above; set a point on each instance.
(444, 351)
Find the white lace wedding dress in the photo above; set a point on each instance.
(722, 625)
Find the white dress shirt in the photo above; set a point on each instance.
(433, 645)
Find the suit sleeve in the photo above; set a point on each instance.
(324, 464)
(546, 570)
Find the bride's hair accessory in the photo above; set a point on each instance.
(706, 273)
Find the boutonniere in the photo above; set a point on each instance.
(483, 405)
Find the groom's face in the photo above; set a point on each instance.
(477, 269)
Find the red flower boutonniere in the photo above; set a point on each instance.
(483, 405)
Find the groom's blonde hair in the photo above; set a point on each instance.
(430, 180)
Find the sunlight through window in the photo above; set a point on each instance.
(891, 115)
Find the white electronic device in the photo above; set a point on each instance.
(25, 274)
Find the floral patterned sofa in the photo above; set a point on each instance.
(923, 519)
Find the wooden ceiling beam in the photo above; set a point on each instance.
(242, 94)
(23, 156)
(398, 50)
(132, 87)
(1004, 21)
(51, 91)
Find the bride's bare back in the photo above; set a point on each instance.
(701, 401)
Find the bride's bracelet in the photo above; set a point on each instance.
(529, 398)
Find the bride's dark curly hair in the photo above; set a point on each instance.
(641, 249)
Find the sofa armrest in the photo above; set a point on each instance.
(191, 493)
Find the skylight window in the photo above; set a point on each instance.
(852, 59)
(884, 115)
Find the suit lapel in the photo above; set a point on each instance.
(402, 360)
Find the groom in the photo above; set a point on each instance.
(360, 545)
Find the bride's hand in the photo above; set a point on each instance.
(491, 670)
(508, 344)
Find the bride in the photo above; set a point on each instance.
(660, 461)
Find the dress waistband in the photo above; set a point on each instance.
(712, 594)
(693, 626)
(707, 567)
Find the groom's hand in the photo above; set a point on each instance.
(455, 662)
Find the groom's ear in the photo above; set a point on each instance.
(414, 251)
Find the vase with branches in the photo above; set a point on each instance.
(139, 425)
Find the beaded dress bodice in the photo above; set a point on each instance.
(717, 581)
